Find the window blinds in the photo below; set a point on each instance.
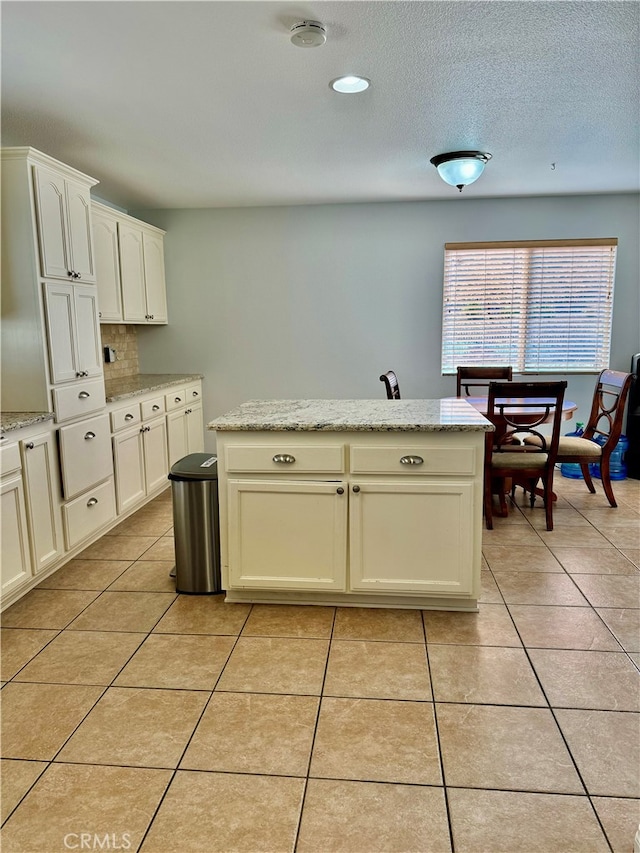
(540, 306)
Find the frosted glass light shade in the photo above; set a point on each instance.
(460, 168)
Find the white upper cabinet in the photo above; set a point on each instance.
(74, 333)
(134, 298)
(105, 244)
(130, 268)
(64, 227)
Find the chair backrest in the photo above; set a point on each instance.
(607, 408)
(391, 384)
(523, 407)
(479, 378)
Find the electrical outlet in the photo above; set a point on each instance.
(109, 355)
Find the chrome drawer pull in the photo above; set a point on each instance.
(411, 460)
(195, 393)
(89, 435)
(92, 501)
(155, 408)
(128, 416)
(83, 395)
(178, 400)
(29, 445)
(284, 457)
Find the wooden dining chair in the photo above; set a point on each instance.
(391, 384)
(518, 410)
(479, 378)
(605, 424)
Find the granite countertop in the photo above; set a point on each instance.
(141, 383)
(16, 420)
(354, 415)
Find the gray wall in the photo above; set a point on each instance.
(316, 301)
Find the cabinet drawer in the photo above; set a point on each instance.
(85, 453)
(176, 399)
(88, 513)
(435, 460)
(125, 417)
(298, 459)
(152, 408)
(9, 459)
(194, 393)
(81, 398)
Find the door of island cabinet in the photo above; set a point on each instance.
(287, 535)
(407, 554)
(40, 470)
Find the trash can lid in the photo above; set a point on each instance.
(195, 466)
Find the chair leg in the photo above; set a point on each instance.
(584, 467)
(532, 495)
(605, 474)
(488, 498)
(548, 503)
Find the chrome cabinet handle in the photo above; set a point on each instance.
(284, 457)
(29, 445)
(154, 408)
(411, 460)
(178, 400)
(78, 374)
(83, 395)
(128, 416)
(92, 501)
(89, 435)
(356, 489)
(340, 491)
(195, 393)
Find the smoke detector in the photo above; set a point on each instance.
(308, 34)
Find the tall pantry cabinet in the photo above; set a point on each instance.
(51, 347)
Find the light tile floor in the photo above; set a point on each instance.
(133, 718)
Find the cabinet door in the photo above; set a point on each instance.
(154, 277)
(128, 462)
(177, 435)
(195, 429)
(134, 301)
(411, 537)
(59, 308)
(79, 231)
(155, 453)
(89, 343)
(287, 535)
(51, 212)
(105, 244)
(42, 493)
(15, 565)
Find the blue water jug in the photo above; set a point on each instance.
(617, 465)
(572, 469)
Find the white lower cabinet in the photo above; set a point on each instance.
(409, 554)
(140, 461)
(42, 491)
(288, 535)
(369, 518)
(14, 544)
(85, 452)
(88, 513)
(185, 432)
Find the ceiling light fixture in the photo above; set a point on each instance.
(351, 84)
(308, 34)
(460, 168)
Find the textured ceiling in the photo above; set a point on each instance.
(208, 104)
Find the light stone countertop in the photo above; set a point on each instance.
(450, 414)
(10, 421)
(141, 383)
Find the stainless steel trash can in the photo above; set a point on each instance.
(196, 524)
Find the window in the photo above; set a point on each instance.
(540, 306)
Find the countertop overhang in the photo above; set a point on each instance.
(450, 414)
(17, 420)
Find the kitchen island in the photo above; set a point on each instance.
(373, 503)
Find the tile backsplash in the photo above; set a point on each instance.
(124, 340)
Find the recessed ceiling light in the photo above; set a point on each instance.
(350, 85)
